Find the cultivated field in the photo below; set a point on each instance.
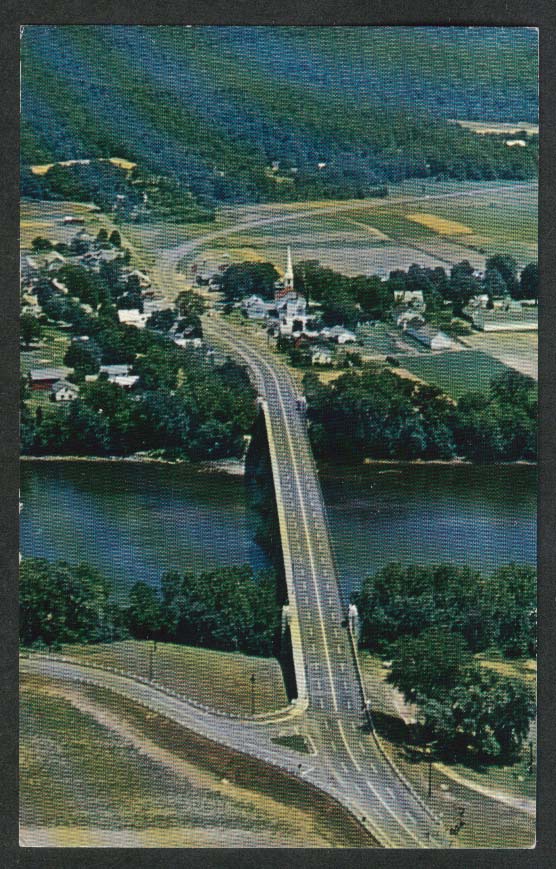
(430, 223)
(519, 350)
(456, 372)
(95, 771)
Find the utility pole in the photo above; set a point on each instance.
(152, 650)
(252, 693)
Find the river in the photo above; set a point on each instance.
(134, 521)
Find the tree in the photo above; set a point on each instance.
(529, 282)
(144, 616)
(29, 329)
(430, 664)
(115, 238)
(244, 279)
(40, 243)
(507, 266)
(163, 320)
(62, 603)
(485, 714)
(102, 238)
(494, 284)
(83, 357)
(190, 304)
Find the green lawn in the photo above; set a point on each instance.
(217, 679)
(456, 372)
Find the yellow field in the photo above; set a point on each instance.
(376, 233)
(440, 224)
(120, 162)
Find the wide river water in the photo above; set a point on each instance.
(134, 521)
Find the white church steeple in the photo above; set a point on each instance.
(288, 276)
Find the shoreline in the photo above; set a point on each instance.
(236, 467)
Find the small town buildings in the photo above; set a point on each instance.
(63, 390)
(119, 374)
(430, 337)
(45, 378)
(409, 317)
(290, 305)
(256, 308)
(194, 343)
(133, 317)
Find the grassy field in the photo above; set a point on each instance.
(217, 679)
(95, 770)
(456, 372)
(376, 236)
(489, 795)
(519, 350)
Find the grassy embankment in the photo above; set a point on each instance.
(220, 680)
(99, 771)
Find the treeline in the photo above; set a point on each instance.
(349, 300)
(229, 608)
(214, 126)
(377, 414)
(496, 612)
(133, 195)
(430, 621)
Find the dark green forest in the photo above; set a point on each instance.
(223, 115)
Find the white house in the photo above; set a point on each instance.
(132, 317)
(414, 298)
(62, 390)
(188, 342)
(339, 334)
(430, 337)
(321, 356)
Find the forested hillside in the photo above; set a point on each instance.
(261, 114)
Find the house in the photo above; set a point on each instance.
(479, 301)
(321, 355)
(413, 298)
(339, 334)
(132, 317)
(409, 316)
(119, 374)
(143, 279)
(256, 308)
(45, 378)
(188, 342)
(63, 390)
(69, 219)
(430, 337)
(114, 370)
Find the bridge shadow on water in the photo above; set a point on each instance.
(261, 498)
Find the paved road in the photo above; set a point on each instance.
(348, 755)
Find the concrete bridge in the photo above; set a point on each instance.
(331, 694)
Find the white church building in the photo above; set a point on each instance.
(291, 306)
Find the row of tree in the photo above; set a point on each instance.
(348, 300)
(229, 608)
(465, 710)
(376, 414)
(496, 612)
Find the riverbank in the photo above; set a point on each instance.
(236, 467)
(229, 466)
